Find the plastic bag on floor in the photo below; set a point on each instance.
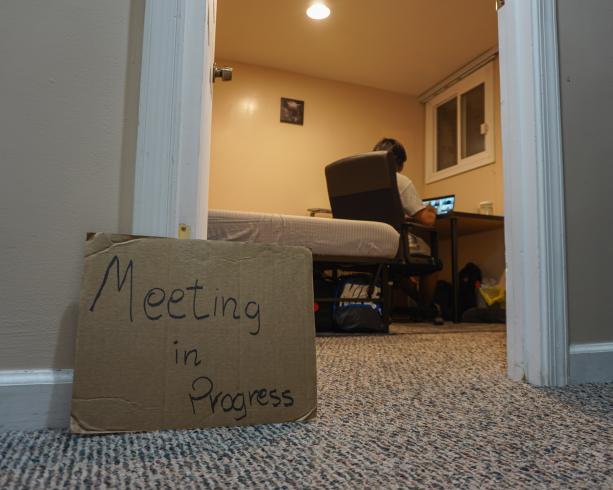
(358, 316)
(494, 293)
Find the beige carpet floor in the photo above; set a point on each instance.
(449, 327)
(432, 411)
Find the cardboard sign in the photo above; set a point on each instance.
(193, 333)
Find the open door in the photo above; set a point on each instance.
(174, 131)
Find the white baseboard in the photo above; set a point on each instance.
(35, 399)
(591, 363)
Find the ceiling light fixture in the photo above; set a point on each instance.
(318, 11)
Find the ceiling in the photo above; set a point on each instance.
(404, 46)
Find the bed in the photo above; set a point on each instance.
(325, 237)
(369, 232)
(337, 245)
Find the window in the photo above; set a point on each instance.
(460, 126)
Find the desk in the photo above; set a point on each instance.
(455, 225)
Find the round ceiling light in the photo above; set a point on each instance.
(318, 11)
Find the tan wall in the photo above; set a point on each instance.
(69, 78)
(482, 184)
(260, 164)
(484, 249)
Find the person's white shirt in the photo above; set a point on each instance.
(412, 204)
(409, 197)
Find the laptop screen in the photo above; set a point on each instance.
(443, 204)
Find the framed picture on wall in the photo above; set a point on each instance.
(292, 111)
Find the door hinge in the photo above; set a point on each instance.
(499, 4)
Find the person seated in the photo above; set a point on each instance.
(415, 210)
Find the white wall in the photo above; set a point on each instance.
(68, 109)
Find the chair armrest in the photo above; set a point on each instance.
(429, 233)
(418, 226)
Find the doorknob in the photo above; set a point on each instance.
(223, 72)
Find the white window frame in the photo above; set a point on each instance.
(484, 75)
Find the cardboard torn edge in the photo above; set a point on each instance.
(94, 243)
(80, 429)
(77, 427)
(310, 415)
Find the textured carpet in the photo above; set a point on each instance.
(448, 327)
(416, 327)
(398, 411)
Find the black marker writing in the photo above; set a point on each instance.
(175, 299)
(150, 301)
(159, 304)
(130, 268)
(196, 288)
(186, 356)
(254, 315)
(203, 390)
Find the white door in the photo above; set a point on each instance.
(174, 132)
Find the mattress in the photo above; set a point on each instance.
(323, 236)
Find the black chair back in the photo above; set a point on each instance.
(363, 187)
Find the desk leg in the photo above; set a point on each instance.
(386, 295)
(455, 280)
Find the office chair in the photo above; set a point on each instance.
(363, 187)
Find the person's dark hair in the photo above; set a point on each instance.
(395, 148)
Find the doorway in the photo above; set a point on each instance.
(537, 346)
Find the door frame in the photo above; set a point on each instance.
(173, 140)
(164, 193)
(537, 326)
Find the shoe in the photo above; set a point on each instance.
(436, 314)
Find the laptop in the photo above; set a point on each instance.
(443, 205)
